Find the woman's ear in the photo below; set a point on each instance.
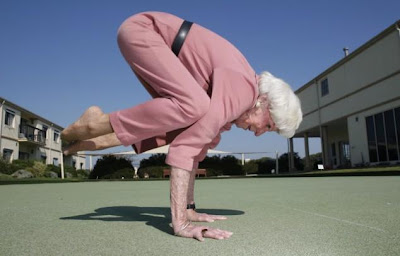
(262, 100)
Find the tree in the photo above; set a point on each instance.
(227, 165)
(108, 165)
(284, 162)
(230, 166)
(265, 165)
(211, 162)
(315, 159)
(153, 160)
(250, 167)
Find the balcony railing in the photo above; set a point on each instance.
(32, 134)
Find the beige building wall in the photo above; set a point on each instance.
(363, 83)
(367, 79)
(12, 145)
(358, 131)
(9, 133)
(22, 147)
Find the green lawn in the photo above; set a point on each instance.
(393, 170)
(360, 170)
(285, 216)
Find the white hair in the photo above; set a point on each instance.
(283, 104)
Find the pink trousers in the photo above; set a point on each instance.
(178, 99)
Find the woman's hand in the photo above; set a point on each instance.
(180, 222)
(192, 215)
(201, 232)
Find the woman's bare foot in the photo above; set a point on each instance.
(91, 124)
(98, 143)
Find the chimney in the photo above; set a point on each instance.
(346, 51)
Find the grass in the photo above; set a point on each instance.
(5, 177)
(8, 179)
(343, 216)
(378, 170)
(372, 171)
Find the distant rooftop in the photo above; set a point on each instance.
(390, 29)
(29, 113)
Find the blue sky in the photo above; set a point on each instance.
(57, 58)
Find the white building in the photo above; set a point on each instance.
(25, 135)
(354, 106)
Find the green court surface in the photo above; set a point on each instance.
(269, 216)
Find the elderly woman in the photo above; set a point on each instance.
(201, 85)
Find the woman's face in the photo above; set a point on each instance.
(257, 121)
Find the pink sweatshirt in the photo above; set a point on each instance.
(220, 69)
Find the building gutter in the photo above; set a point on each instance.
(1, 124)
(398, 27)
(365, 46)
(320, 123)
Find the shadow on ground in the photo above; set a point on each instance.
(157, 217)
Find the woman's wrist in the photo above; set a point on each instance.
(182, 226)
(191, 205)
(178, 195)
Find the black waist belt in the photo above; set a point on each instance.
(181, 36)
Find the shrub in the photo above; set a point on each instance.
(5, 167)
(70, 170)
(250, 167)
(211, 162)
(67, 169)
(81, 173)
(230, 166)
(108, 165)
(53, 168)
(213, 172)
(50, 175)
(36, 173)
(5, 176)
(126, 173)
(21, 164)
(265, 165)
(39, 168)
(152, 171)
(284, 164)
(153, 160)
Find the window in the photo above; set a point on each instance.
(55, 161)
(373, 153)
(7, 154)
(56, 136)
(397, 118)
(23, 156)
(45, 128)
(324, 87)
(344, 148)
(10, 116)
(390, 135)
(383, 132)
(333, 151)
(380, 137)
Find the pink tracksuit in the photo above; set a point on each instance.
(196, 96)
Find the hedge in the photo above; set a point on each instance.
(38, 168)
(126, 173)
(152, 171)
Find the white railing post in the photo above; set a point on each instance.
(62, 162)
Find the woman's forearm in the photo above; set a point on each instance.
(179, 184)
(190, 194)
